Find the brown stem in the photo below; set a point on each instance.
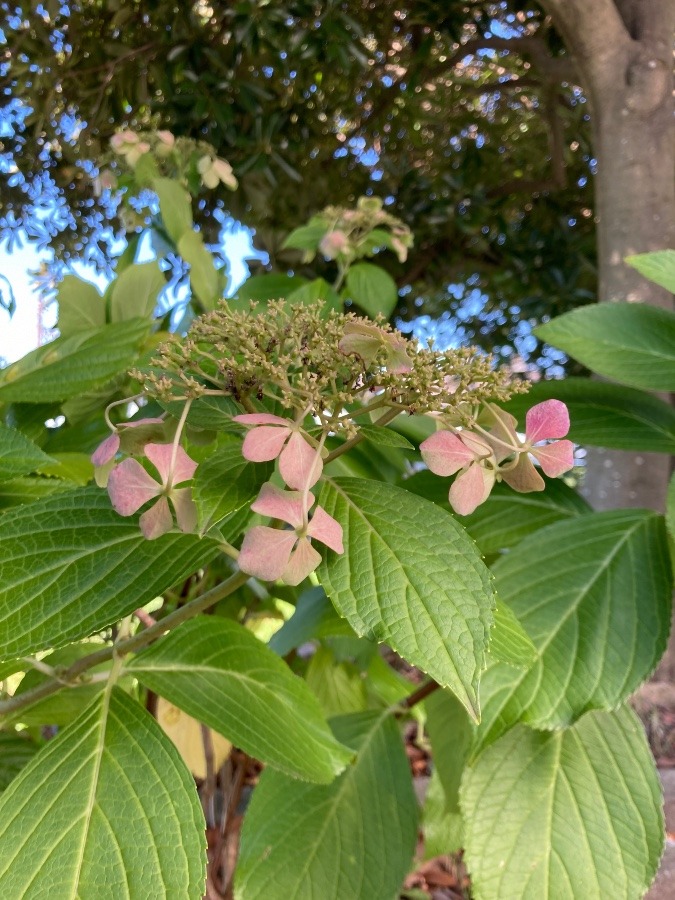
(420, 694)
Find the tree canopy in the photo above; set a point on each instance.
(465, 117)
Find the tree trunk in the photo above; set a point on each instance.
(623, 50)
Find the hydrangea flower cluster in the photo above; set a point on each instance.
(324, 374)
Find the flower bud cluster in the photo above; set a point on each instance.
(351, 234)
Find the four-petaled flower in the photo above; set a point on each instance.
(333, 244)
(129, 145)
(130, 486)
(300, 464)
(470, 454)
(367, 341)
(214, 170)
(271, 554)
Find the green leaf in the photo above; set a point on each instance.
(309, 294)
(314, 618)
(204, 277)
(225, 482)
(218, 672)
(631, 343)
(135, 292)
(371, 288)
(72, 566)
(566, 814)
(451, 735)
(27, 490)
(443, 830)
(19, 455)
(306, 237)
(658, 266)
(384, 437)
(210, 413)
(263, 288)
(15, 753)
(81, 307)
(670, 509)
(353, 838)
(74, 365)
(175, 207)
(594, 595)
(606, 415)
(74, 467)
(338, 686)
(509, 642)
(107, 808)
(410, 577)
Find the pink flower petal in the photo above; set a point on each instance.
(130, 486)
(160, 455)
(186, 511)
(556, 458)
(445, 454)
(260, 419)
(264, 443)
(138, 422)
(471, 488)
(547, 420)
(157, 520)
(106, 450)
(299, 464)
(363, 345)
(285, 505)
(303, 561)
(398, 361)
(326, 529)
(265, 552)
(524, 477)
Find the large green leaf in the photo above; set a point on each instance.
(19, 455)
(658, 266)
(314, 617)
(411, 577)
(509, 642)
(135, 291)
(443, 830)
(352, 839)
(594, 595)
(371, 288)
(566, 814)
(106, 809)
(630, 342)
(274, 286)
(218, 672)
(606, 415)
(319, 289)
(451, 733)
(74, 365)
(81, 307)
(225, 482)
(71, 566)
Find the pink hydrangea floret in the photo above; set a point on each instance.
(271, 554)
(300, 465)
(130, 487)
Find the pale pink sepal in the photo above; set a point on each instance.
(186, 510)
(524, 477)
(285, 505)
(265, 552)
(445, 454)
(326, 529)
(157, 520)
(161, 455)
(106, 450)
(130, 486)
(264, 443)
(303, 561)
(300, 465)
(555, 459)
(471, 488)
(260, 419)
(546, 421)
(102, 473)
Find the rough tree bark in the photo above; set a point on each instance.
(623, 50)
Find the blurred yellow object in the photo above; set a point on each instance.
(186, 733)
